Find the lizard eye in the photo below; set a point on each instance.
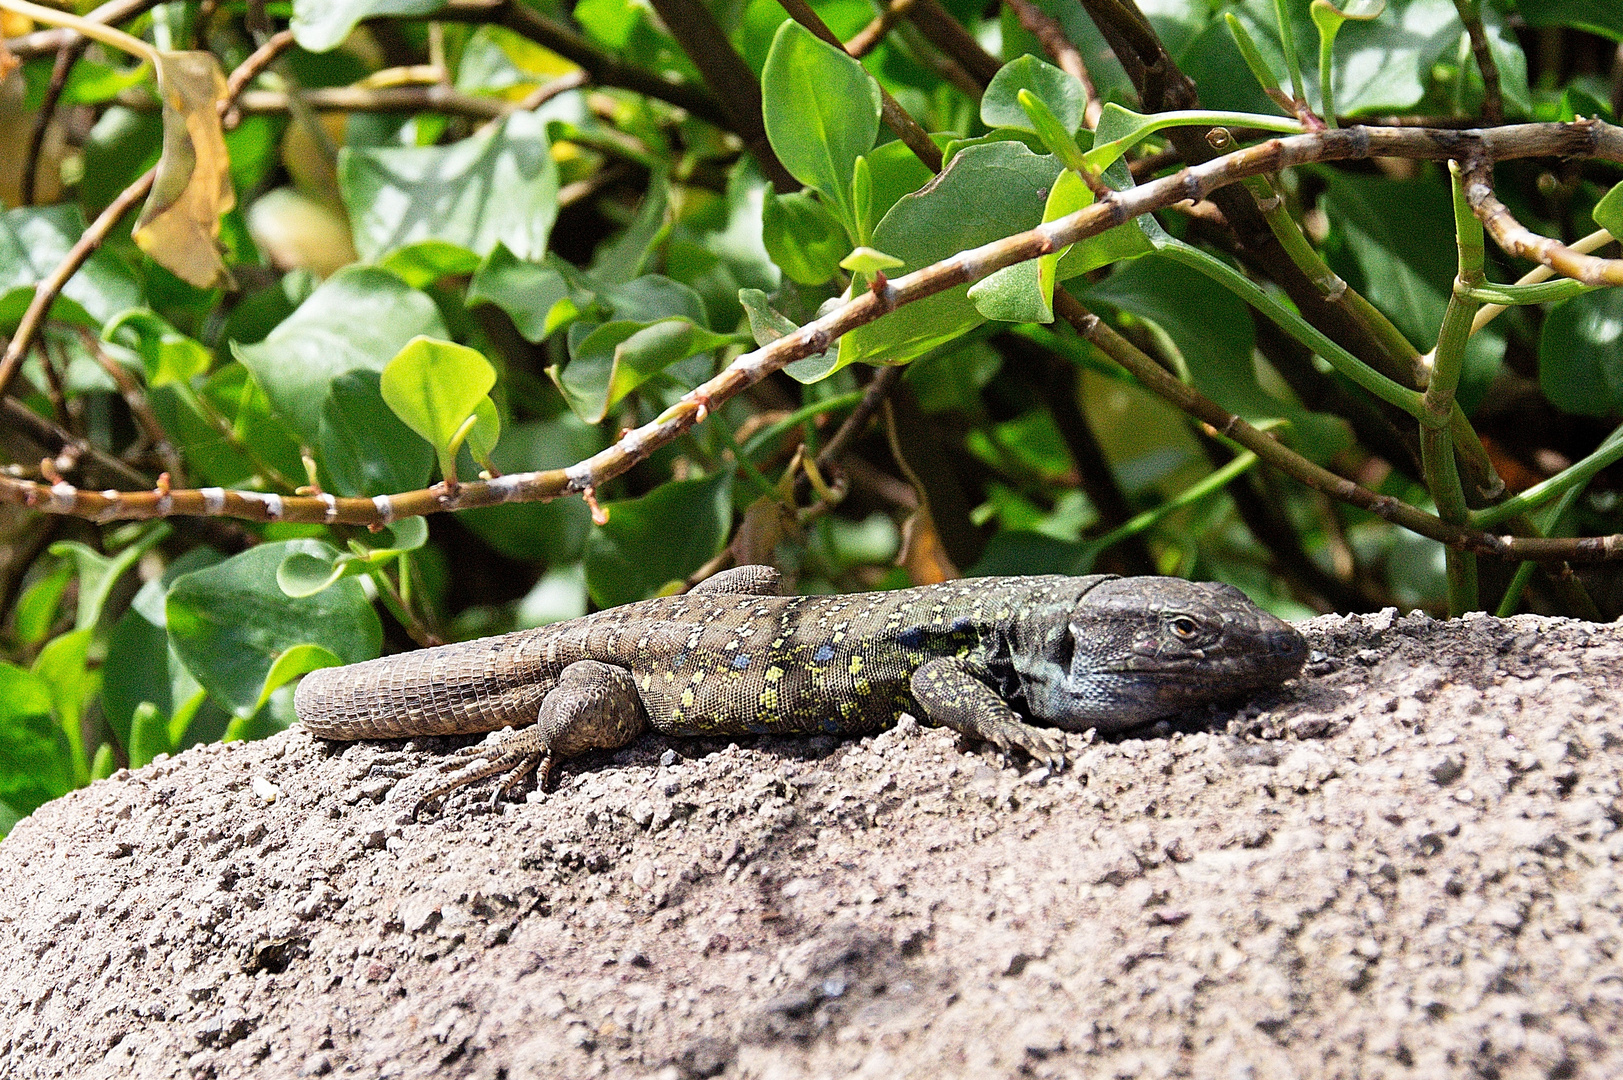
(1183, 626)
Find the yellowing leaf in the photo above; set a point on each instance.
(181, 220)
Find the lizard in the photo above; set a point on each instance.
(733, 657)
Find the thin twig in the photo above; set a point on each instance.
(1493, 101)
(873, 396)
(136, 399)
(867, 39)
(948, 34)
(1047, 29)
(729, 78)
(41, 42)
(66, 57)
(59, 442)
(605, 68)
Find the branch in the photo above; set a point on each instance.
(41, 42)
(434, 97)
(868, 38)
(1588, 138)
(605, 68)
(729, 78)
(1517, 239)
(66, 57)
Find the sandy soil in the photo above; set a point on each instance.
(1403, 864)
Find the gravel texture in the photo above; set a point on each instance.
(1404, 864)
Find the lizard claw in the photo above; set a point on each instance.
(1045, 746)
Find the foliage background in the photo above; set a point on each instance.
(582, 211)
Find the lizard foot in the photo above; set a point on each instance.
(1045, 746)
(511, 756)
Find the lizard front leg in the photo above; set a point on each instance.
(595, 706)
(955, 694)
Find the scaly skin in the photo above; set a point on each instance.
(732, 658)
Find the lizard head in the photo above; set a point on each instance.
(1140, 648)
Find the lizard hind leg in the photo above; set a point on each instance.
(595, 706)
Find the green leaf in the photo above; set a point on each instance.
(64, 665)
(293, 663)
(1600, 18)
(822, 113)
(391, 540)
(98, 573)
(1608, 212)
(365, 448)
(1060, 91)
(141, 667)
(540, 298)
(319, 25)
(38, 605)
(167, 355)
(1016, 293)
(803, 238)
(985, 193)
(427, 261)
(653, 297)
(610, 361)
(360, 318)
(303, 574)
(1581, 354)
(865, 260)
(149, 735)
(657, 539)
(862, 199)
(767, 324)
(229, 623)
(435, 387)
(33, 243)
(497, 186)
(36, 763)
(485, 432)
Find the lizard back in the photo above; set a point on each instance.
(705, 662)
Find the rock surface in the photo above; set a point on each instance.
(1404, 864)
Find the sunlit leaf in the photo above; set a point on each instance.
(821, 111)
(435, 387)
